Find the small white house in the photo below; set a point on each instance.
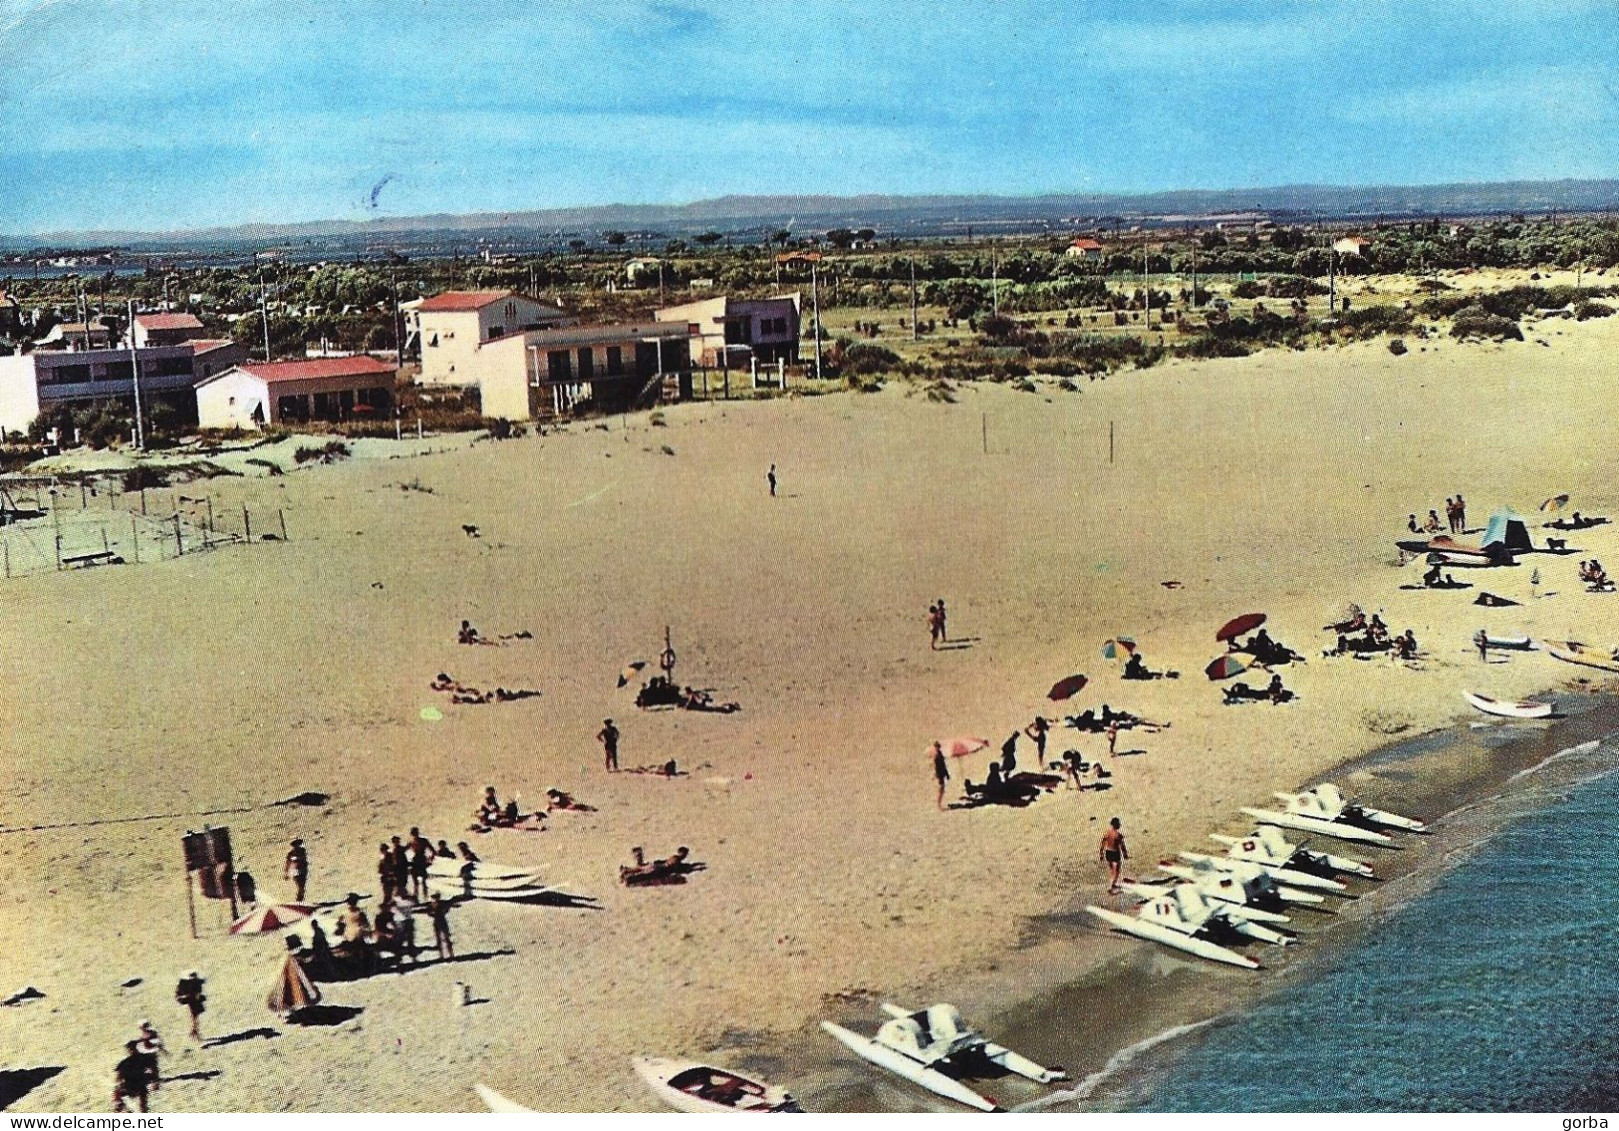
(330, 389)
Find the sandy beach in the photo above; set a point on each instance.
(1275, 483)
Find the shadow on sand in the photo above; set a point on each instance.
(15, 1083)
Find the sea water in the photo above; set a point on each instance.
(1495, 989)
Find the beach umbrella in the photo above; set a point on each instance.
(1117, 647)
(271, 917)
(1225, 667)
(1555, 503)
(962, 745)
(630, 672)
(1066, 688)
(1237, 626)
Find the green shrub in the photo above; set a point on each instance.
(1590, 309)
(1476, 322)
(1398, 347)
(328, 452)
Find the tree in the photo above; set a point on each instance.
(675, 247)
(840, 237)
(709, 239)
(782, 236)
(615, 239)
(866, 235)
(578, 245)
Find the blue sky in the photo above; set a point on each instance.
(182, 113)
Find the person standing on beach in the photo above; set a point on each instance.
(1450, 513)
(1481, 638)
(439, 912)
(944, 623)
(297, 869)
(385, 871)
(188, 992)
(1461, 514)
(608, 737)
(1037, 731)
(421, 854)
(1113, 854)
(941, 771)
(1009, 755)
(770, 477)
(131, 1078)
(401, 855)
(933, 627)
(1112, 738)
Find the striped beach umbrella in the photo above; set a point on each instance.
(1118, 648)
(271, 917)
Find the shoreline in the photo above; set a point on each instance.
(1100, 1024)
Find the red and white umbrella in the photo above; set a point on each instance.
(271, 917)
(962, 745)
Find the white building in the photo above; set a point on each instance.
(454, 324)
(331, 389)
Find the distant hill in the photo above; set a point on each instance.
(897, 215)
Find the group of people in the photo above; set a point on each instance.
(1005, 784)
(1263, 649)
(667, 870)
(1594, 577)
(139, 1074)
(1360, 634)
(1455, 519)
(465, 693)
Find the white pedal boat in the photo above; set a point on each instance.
(1325, 810)
(1509, 708)
(923, 1045)
(688, 1085)
(1183, 920)
(1291, 863)
(1260, 886)
(496, 1102)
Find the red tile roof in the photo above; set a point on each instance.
(1086, 245)
(168, 321)
(318, 369)
(208, 345)
(463, 301)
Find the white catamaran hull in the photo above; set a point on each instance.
(1290, 877)
(1197, 875)
(1154, 932)
(1345, 864)
(1315, 825)
(1506, 709)
(930, 1078)
(496, 1102)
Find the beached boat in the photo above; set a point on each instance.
(931, 1047)
(1259, 883)
(496, 1102)
(1182, 920)
(1573, 652)
(690, 1086)
(1289, 862)
(1324, 810)
(1513, 644)
(1228, 898)
(1509, 709)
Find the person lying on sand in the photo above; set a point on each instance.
(468, 634)
(669, 870)
(502, 695)
(556, 799)
(1357, 646)
(1274, 691)
(667, 770)
(1355, 623)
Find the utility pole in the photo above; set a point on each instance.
(1194, 270)
(994, 282)
(1332, 279)
(815, 298)
(915, 333)
(264, 310)
(135, 380)
(1146, 286)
